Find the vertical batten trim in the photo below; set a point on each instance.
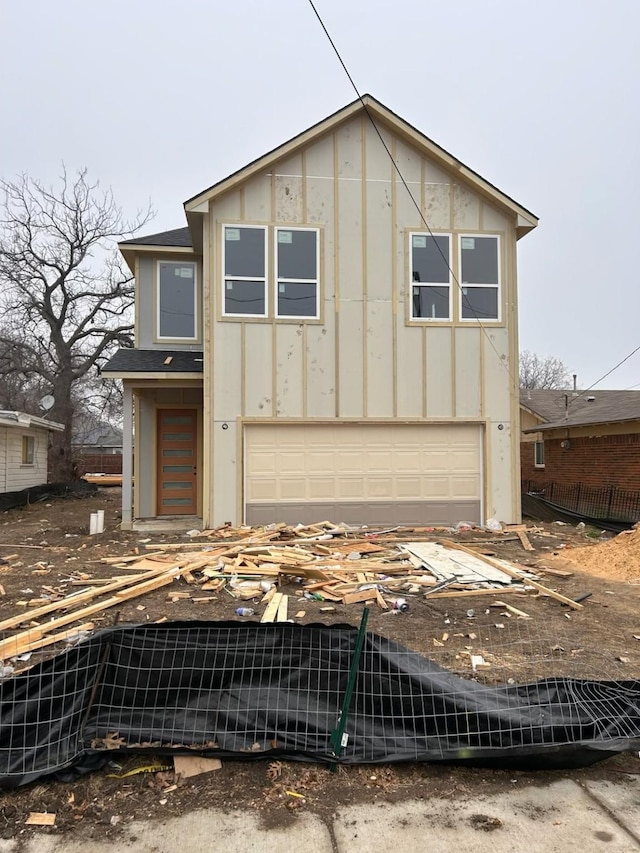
(482, 344)
(424, 370)
(454, 402)
(365, 304)
(243, 368)
(305, 212)
(209, 297)
(394, 273)
(271, 296)
(336, 273)
(511, 292)
(304, 371)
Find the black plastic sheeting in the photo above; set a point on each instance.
(249, 691)
(36, 494)
(534, 506)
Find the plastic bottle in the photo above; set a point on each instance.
(400, 604)
(245, 611)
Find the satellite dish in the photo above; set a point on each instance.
(46, 402)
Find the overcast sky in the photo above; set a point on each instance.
(162, 99)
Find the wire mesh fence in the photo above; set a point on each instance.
(602, 502)
(250, 690)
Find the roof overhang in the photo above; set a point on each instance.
(22, 420)
(377, 112)
(130, 252)
(139, 374)
(561, 425)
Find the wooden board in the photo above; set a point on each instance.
(361, 595)
(271, 612)
(516, 574)
(282, 614)
(21, 642)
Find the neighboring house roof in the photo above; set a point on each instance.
(561, 409)
(99, 434)
(380, 113)
(180, 237)
(154, 361)
(22, 420)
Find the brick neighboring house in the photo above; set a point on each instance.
(576, 438)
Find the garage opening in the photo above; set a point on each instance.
(390, 474)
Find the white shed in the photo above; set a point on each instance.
(24, 443)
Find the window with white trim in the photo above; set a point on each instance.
(538, 454)
(245, 271)
(177, 301)
(297, 273)
(430, 277)
(479, 277)
(291, 274)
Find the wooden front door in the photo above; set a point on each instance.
(177, 479)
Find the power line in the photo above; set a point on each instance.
(411, 196)
(608, 373)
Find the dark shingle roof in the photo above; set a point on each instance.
(153, 361)
(177, 237)
(584, 407)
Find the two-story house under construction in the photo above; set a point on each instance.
(332, 336)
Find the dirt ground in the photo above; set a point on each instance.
(42, 545)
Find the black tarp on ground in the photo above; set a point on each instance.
(249, 690)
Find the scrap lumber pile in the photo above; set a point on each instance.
(334, 565)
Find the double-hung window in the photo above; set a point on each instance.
(245, 271)
(430, 277)
(177, 301)
(297, 272)
(479, 278)
(538, 454)
(271, 272)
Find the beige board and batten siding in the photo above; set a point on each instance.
(364, 359)
(14, 474)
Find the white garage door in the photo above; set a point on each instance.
(362, 473)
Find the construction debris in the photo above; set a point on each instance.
(328, 563)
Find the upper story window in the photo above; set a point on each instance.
(177, 295)
(430, 277)
(479, 277)
(297, 272)
(261, 282)
(245, 271)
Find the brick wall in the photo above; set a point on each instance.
(611, 460)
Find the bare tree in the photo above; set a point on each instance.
(538, 371)
(64, 293)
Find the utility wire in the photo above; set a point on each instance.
(411, 196)
(608, 373)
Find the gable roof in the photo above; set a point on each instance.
(377, 111)
(561, 409)
(180, 237)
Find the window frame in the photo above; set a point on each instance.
(265, 279)
(498, 286)
(181, 339)
(277, 280)
(412, 284)
(537, 445)
(28, 450)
